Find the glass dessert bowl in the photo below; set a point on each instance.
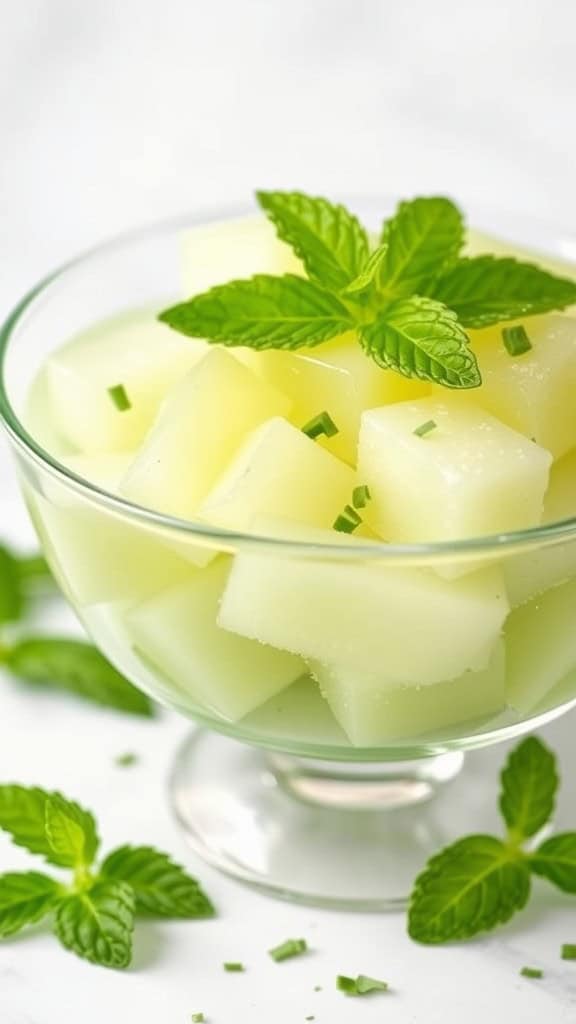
(337, 679)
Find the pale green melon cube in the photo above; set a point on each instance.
(533, 393)
(178, 632)
(105, 469)
(297, 714)
(373, 709)
(199, 429)
(546, 565)
(279, 471)
(411, 624)
(540, 646)
(230, 249)
(339, 378)
(471, 475)
(135, 351)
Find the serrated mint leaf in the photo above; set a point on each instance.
(421, 239)
(11, 596)
(555, 860)
(25, 897)
(262, 312)
(77, 667)
(23, 816)
(160, 886)
(98, 924)
(486, 290)
(366, 278)
(329, 240)
(529, 785)
(469, 887)
(419, 337)
(71, 832)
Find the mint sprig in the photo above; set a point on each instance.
(481, 881)
(410, 299)
(94, 912)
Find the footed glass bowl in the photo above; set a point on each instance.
(310, 773)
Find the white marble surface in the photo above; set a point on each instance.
(113, 112)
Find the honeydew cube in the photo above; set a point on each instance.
(177, 631)
(470, 476)
(279, 471)
(533, 393)
(230, 249)
(144, 356)
(412, 624)
(373, 709)
(540, 646)
(546, 565)
(298, 711)
(340, 378)
(200, 427)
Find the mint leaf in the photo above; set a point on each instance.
(71, 832)
(11, 596)
(484, 290)
(23, 816)
(422, 237)
(555, 860)
(77, 667)
(263, 312)
(422, 338)
(25, 897)
(160, 886)
(469, 887)
(329, 240)
(366, 278)
(529, 784)
(98, 924)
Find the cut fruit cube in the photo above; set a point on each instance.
(279, 471)
(543, 566)
(534, 392)
(106, 470)
(362, 614)
(135, 351)
(177, 631)
(468, 476)
(299, 711)
(540, 646)
(340, 378)
(373, 709)
(199, 429)
(230, 249)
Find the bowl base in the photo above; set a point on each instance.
(314, 832)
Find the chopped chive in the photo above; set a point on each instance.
(344, 525)
(120, 398)
(361, 496)
(361, 985)
(234, 967)
(569, 951)
(321, 424)
(126, 760)
(290, 948)
(198, 1018)
(532, 972)
(516, 340)
(425, 428)
(352, 514)
(311, 1017)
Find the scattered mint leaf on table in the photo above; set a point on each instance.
(481, 881)
(329, 240)
(94, 912)
(409, 299)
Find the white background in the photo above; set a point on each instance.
(114, 112)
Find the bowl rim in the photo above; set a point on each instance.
(350, 547)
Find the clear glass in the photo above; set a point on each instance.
(287, 775)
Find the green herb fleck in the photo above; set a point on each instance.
(532, 972)
(233, 967)
(343, 524)
(120, 398)
(361, 496)
(346, 984)
(425, 428)
(516, 340)
(288, 949)
(362, 985)
(320, 424)
(311, 1017)
(126, 760)
(198, 1018)
(568, 951)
